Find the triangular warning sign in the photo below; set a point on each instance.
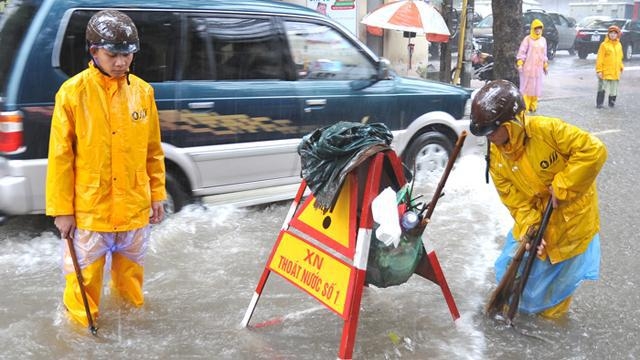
(336, 228)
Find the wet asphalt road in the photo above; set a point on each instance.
(203, 266)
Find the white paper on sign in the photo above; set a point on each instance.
(385, 212)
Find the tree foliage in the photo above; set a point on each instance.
(507, 32)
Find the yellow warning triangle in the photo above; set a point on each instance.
(336, 228)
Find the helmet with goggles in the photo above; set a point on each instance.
(496, 102)
(113, 31)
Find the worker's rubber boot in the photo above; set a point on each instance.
(600, 99)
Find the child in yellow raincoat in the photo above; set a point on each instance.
(609, 66)
(106, 174)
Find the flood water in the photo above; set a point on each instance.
(203, 265)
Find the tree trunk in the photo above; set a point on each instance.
(507, 35)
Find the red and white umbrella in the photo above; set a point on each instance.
(410, 15)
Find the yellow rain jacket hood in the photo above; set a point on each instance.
(106, 163)
(549, 152)
(534, 24)
(609, 60)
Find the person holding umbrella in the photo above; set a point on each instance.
(106, 173)
(533, 160)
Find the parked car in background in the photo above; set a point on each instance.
(566, 27)
(434, 48)
(630, 39)
(237, 85)
(589, 19)
(588, 38)
(483, 32)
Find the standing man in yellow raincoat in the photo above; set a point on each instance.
(533, 160)
(609, 66)
(105, 175)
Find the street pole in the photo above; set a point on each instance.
(468, 43)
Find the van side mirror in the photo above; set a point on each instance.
(383, 69)
(383, 73)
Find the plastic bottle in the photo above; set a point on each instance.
(409, 220)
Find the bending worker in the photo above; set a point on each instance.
(532, 160)
(106, 174)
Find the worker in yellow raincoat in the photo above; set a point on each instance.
(105, 175)
(533, 160)
(609, 66)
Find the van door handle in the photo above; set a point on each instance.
(314, 104)
(201, 105)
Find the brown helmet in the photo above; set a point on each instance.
(495, 103)
(614, 28)
(114, 31)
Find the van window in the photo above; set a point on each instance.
(321, 52)
(233, 48)
(14, 22)
(155, 62)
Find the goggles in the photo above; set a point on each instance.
(484, 129)
(119, 48)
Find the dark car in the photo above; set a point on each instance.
(588, 39)
(434, 49)
(630, 38)
(483, 32)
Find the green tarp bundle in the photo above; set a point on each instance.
(328, 154)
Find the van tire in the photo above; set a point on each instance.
(628, 51)
(551, 51)
(428, 152)
(582, 54)
(177, 196)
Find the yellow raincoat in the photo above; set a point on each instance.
(106, 163)
(549, 152)
(609, 60)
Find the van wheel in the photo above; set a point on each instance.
(551, 52)
(582, 54)
(628, 51)
(428, 154)
(177, 196)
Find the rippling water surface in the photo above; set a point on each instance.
(204, 263)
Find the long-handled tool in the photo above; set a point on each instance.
(76, 266)
(430, 207)
(513, 306)
(508, 292)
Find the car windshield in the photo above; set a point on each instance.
(604, 24)
(486, 22)
(587, 21)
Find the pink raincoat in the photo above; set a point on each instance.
(533, 55)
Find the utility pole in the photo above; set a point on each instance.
(445, 48)
(465, 79)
